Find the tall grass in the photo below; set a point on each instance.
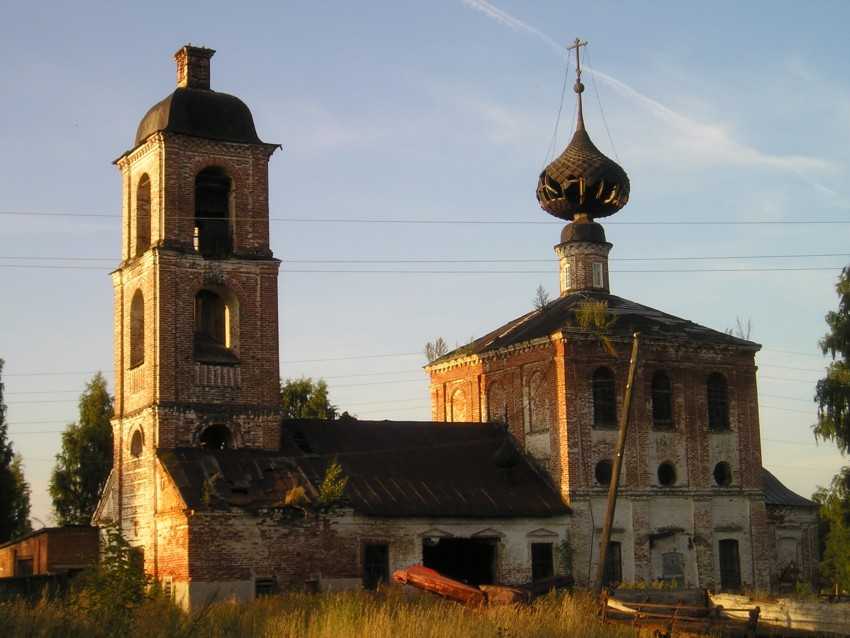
(394, 613)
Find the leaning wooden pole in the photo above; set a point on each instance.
(615, 472)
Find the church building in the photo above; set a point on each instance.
(692, 504)
(218, 495)
(507, 483)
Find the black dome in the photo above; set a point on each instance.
(200, 113)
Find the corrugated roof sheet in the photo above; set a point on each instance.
(408, 469)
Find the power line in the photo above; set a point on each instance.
(466, 261)
(454, 222)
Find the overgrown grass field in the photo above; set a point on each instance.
(394, 613)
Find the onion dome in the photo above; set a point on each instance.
(582, 181)
(194, 109)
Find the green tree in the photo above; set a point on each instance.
(834, 516)
(306, 399)
(21, 502)
(435, 350)
(541, 298)
(84, 462)
(14, 491)
(833, 391)
(116, 586)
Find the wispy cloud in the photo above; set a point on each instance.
(709, 140)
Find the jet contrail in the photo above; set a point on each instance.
(714, 137)
(512, 23)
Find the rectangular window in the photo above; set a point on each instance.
(376, 565)
(23, 567)
(598, 281)
(542, 561)
(168, 587)
(263, 586)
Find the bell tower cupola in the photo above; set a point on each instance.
(580, 186)
(196, 328)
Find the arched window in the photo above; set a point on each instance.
(662, 400)
(143, 216)
(137, 443)
(137, 330)
(496, 406)
(213, 232)
(458, 406)
(214, 328)
(604, 399)
(216, 437)
(717, 402)
(538, 403)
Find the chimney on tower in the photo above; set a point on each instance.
(193, 67)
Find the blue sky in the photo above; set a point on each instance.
(402, 201)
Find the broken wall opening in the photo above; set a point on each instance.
(471, 560)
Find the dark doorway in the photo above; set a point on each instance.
(612, 571)
(376, 565)
(730, 565)
(470, 560)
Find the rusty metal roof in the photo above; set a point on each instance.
(200, 113)
(394, 469)
(561, 315)
(775, 493)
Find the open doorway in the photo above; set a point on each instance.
(471, 560)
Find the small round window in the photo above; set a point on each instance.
(723, 474)
(667, 474)
(602, 473)
(137, 443)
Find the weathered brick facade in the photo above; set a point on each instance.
(196, 361)
(691, 504)
(204, 466)
(51, 550)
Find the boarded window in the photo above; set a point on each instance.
(673, 568)
(376, 565)
(604, 399)
(717, 403)
(542, 561)
(662, 400)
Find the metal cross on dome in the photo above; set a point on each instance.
(575, 45)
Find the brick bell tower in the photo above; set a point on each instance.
(196, 325)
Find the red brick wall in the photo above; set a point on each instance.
(572, 446)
